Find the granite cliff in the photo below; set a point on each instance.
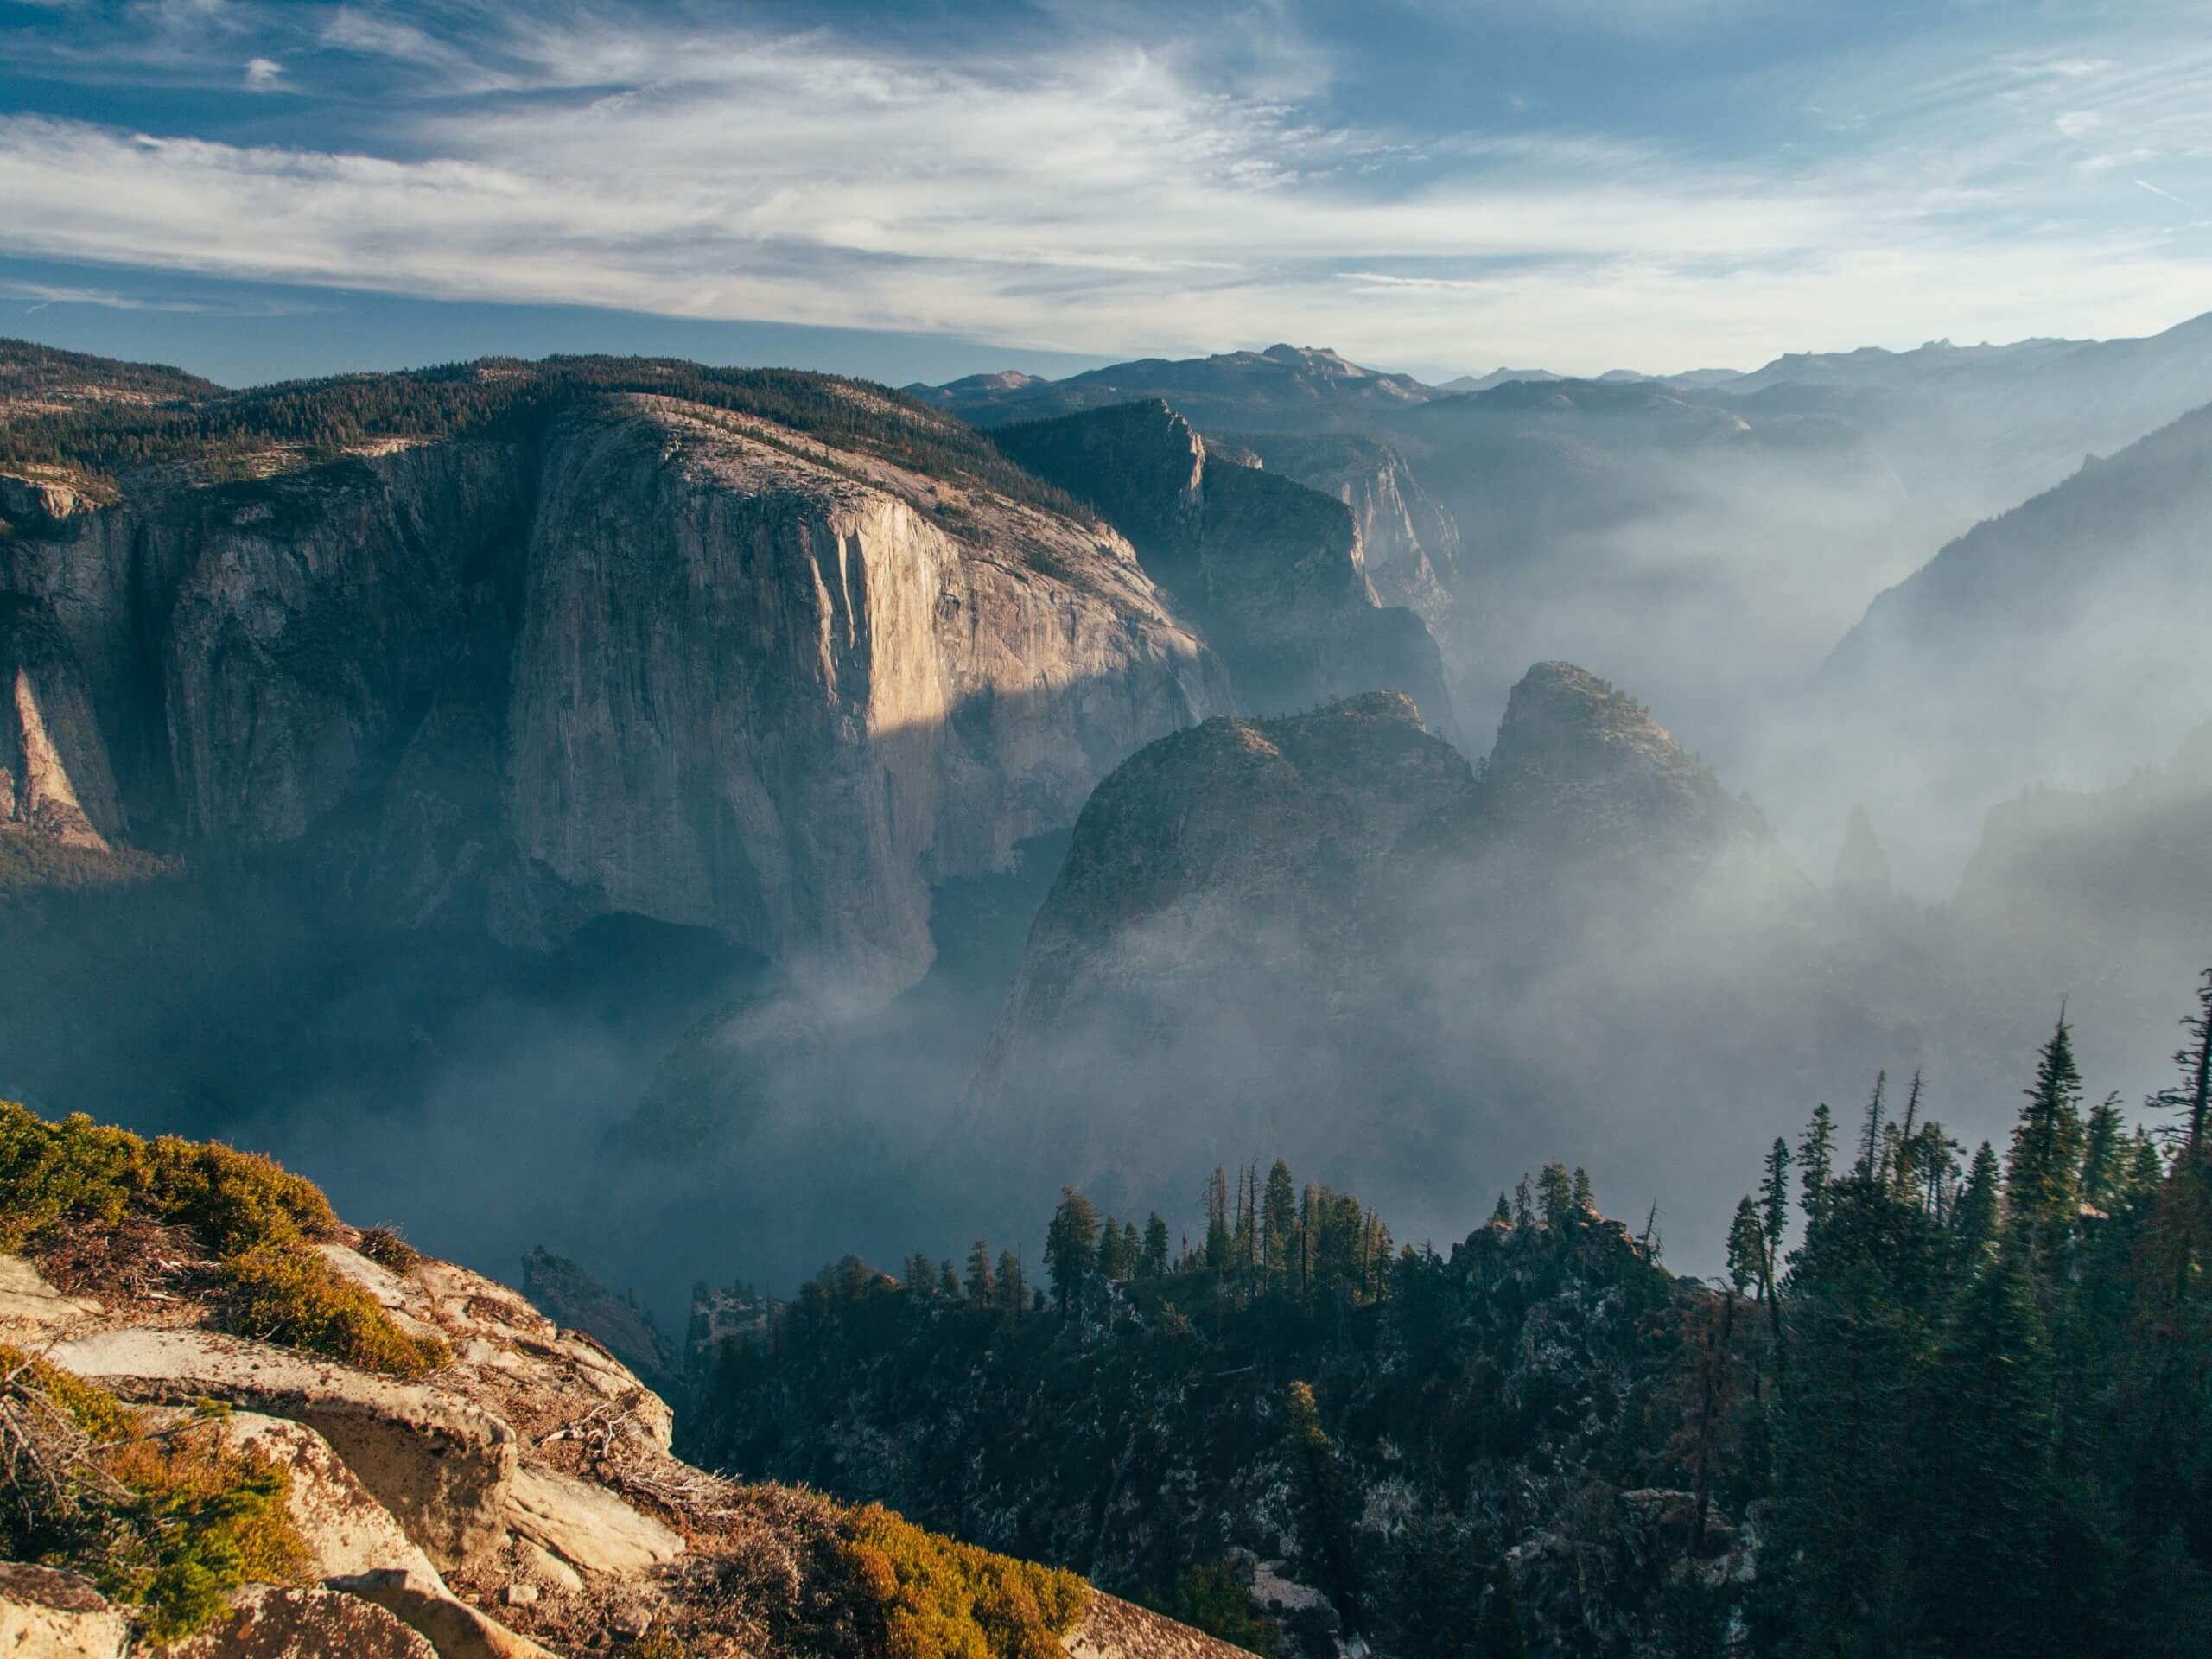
(612, 652)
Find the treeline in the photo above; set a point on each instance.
(1972, 1397)
(1265, 1237)
(101, 441)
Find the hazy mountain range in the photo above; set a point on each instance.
(671, 773)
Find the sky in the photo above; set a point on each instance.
(255, 190)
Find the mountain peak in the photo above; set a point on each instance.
(1586, 759)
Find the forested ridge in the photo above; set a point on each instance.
(136, 415)
(1942, 1402)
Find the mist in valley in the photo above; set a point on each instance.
(1443, 985)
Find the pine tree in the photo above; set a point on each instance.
(1155, 1246)
(1816, 1159)
(1774, 1203)
(2104, 1149)
(1071, 1246)
(948, 1280)
(2043, 1172)
(1986, 1459)
(1555, 1193)
(1279, 1213)
(1217, 1240)
(1746, 1248)
(980, 1282)
(1332, 1507)
(1975, 1221)
(1870, 1136)
(1524, 1204)
(921, 1273)
(1503, 1215)
(1013, 1294)
(1582, 1198)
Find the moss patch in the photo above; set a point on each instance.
(260, 1220)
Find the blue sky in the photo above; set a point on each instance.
(259, 189)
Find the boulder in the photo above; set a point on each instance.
(585, 1525)
(49, 1615)
(441, 1465)
(270, 1622)
(345, 1529)
(1114, 1629)
(30, 1307)
(455, 1628)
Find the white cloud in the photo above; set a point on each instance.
(263, 73)
(1094, 196)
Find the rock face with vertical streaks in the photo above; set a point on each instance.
(624, 653)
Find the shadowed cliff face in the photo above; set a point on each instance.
(1409, 544)
(1273, 572)
(651, 659)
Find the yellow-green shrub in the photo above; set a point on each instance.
(939, 1598)
(166, 1521)
(297, 1298)
(258, 1218)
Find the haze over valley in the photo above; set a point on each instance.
(1124, 832)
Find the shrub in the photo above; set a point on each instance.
(259, 1219)
(939, 1598)
(297, 1298)
(163, 1520)
(383, 1246)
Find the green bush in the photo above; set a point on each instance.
(260, 1220)
(162, 1519)
(297, 1298)
(937, 1598)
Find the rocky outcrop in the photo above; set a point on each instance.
(1408, 542)
(637, 655)
(517, 1502)
(1581, 768)
(46, 1614)
(441, 1465)
(1272, 571)
(270, 1621)
(566, 1294)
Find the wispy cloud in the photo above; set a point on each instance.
(2146, 184)
(1072, 190)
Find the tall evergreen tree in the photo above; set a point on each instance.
(1218, 1235)
(1279, 1213)
(1975, 1220)
(1155, 1246)
(1746, 1248)
(980, 1282)
(1816, 1159)
(1502, 1216)
(2043, 1171)
(1071, 1246)
(1556, 1194)
(1774, 1201)
(2104, 1154)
